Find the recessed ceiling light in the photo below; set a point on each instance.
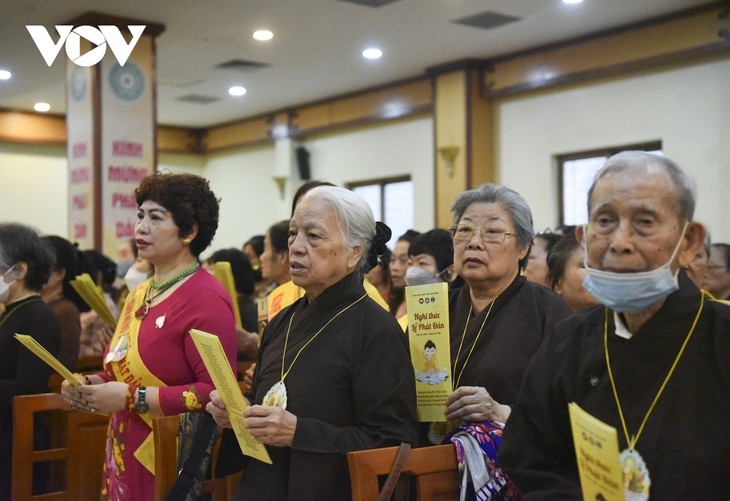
(42, 107)
(237, 90)
(263, 35)
(372, 53)
(569, 2)
(5, 75)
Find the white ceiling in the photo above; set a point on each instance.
(315, 52)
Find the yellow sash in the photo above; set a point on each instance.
(132, 370)
(288, 292)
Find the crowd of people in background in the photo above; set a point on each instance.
(322, 301)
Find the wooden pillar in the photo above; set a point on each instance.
(464, 134)
(111, 125)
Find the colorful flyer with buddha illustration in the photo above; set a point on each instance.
(428, 339)
(596, 450)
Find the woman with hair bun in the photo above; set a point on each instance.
(334, 373)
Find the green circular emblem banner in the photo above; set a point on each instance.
(78, 84)
(127, 81)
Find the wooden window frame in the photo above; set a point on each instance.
(599, 152)
(381, 182)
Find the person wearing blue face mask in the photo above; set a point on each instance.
(652, 361)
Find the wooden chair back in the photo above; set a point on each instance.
(434, 469)
(77, 442)
(166, 433)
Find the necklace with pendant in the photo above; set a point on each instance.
(635, 470)
(276, 395)
(143, 308)
(463, 335)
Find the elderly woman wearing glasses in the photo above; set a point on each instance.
(498, 318)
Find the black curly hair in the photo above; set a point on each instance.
(190, 201)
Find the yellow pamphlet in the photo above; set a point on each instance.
(220, 371)
(222, 271)
(428, 338)
(93, 296)
(596, 449)
(39, 351)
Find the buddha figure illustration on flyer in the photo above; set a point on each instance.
(431, 374)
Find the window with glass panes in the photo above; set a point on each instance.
(391, 200)
(576, 172)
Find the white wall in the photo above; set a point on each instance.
(35, 178)
(251, 201)
(179, 162)
(34, 187)
(402, 148)
(687, 109)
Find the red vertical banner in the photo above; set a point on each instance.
(82, 169)
(127, 139)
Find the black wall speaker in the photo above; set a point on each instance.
(305, 172)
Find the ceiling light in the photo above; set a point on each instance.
(42, 107)
(5, 75)
(237, 90)
(569, 2)
(263, 35)
(372, 53)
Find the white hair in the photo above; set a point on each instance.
(353, 214)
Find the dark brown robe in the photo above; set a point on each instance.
(23, 373)
(686, 440)
(351, 388)
(518, 321)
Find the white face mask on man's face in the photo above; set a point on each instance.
(631, 292)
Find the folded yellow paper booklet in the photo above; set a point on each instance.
(93, 296)
(214, 358)
(39, 351)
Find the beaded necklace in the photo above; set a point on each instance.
(141, 312)
(171, 281)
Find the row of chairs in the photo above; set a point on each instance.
(78, 441)
(82, 455)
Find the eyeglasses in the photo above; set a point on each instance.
(465, 232)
